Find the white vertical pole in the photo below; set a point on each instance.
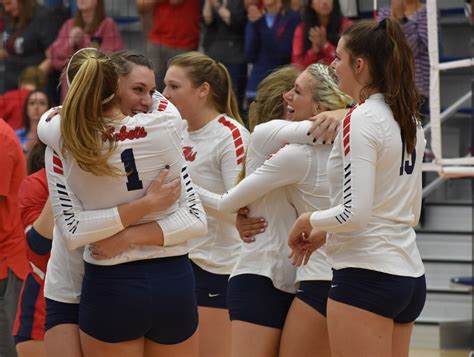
(434, 80)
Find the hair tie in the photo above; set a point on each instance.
(67, 68)
(108, 99)
(382, 24)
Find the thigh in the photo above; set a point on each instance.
(370, 334)
(254, 340)
(92, 347)
(187, 348)
(305, 332)
(63, 337)
(214, 332)
(401, 339)
(31, 348)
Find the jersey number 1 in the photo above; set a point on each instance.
(133, 181)
(406, 166)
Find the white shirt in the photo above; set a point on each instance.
(276, 184)
(214, 156)
(376, 194)
(148, 142)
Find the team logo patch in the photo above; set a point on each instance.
(124, 134)
(188, 153)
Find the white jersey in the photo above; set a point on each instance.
(146, 143)
(214, 155)
(376, 194)
(293, 177)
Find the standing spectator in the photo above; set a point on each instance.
(89, 28)
(37, 102)
(316, 37)
(13, 262)
(268, 39)
(38, 222)
(175, 30)
(414, 21)
(29, 30)
(13, 101)
(224, 35)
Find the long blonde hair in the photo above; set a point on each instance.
(93, 83)
(200, 69)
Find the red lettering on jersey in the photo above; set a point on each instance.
(137, 133)
(188, 153)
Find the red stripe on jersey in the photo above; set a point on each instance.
(346, 132)
(58, 170)
(57, 161)
(162, 105)
(238, 142)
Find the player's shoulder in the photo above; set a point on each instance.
(228, 126)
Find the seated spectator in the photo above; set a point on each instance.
(268, 39)
(29, 30)
(316, 37)
(36, 104)
(13, 101)
(89, 28)
(414, 21)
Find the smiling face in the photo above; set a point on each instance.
(180, 91)
(300, 103)
(135, 90)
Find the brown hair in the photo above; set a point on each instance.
(124, 60)
(392, 69)
(26, 119)
(200, 69)
(26, 9)
(32, 75)
(35, 159)
(92, 89)
(99, 16)
(268, 103)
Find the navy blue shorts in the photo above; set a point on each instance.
(58, 313)
(400, 298)
(151, 298)
(315, 294)
(211, 289)
(253, 298)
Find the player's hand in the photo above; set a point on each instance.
(160, 195)
(326, 125)
(110, 247)
(303, 240)
(253, 13)
(249, 227)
